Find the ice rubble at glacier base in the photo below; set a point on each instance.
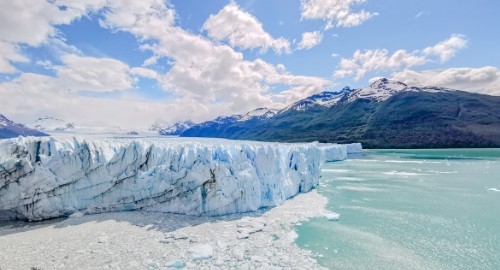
(151, 240)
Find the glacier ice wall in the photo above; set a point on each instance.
(43, 178)
(354, 148)
(336, 152)
(332, 152)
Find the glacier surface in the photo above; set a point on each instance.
(43, 178)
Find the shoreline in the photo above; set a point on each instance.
(263, 239)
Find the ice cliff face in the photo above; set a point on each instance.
(354, 148)
(336, 152)
(44, 178)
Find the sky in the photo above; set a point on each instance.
(131, 63)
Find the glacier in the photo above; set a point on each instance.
(42, 178)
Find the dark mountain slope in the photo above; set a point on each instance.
(407, 119)
(230, 126)
(446, 119)
(9, 129)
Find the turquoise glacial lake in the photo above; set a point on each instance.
(409, 209)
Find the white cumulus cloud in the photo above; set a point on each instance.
(447, 49)
(485, 80)
(33, 23)
(32, 95)
(38, 18)
(241, 29)
(206, 78)
(202, 70)
(335, 12)
(310, 39)
(371, 60)
(366, 61)
(93, 74)
(9, 52)
(144, 72)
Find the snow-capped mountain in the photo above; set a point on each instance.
(5, 122)
(220, 123)
(50, 124)
(224, 119)
(175, 129)
(380, 90)
(10, 129)
(384, 114)
(259, 113)
(53, 125)
(323, 99)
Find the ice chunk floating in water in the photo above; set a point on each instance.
(44, 178)
(331, 216)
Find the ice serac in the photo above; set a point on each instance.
(337, 152)
(43, 178)
(354, 148)
(332, 152)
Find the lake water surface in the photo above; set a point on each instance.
(410, 209)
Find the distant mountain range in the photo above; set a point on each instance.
(9, 129)
(175, 129)
(228, 126)
(387, 114)
(48, 123)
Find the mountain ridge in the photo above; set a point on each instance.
(386, 114)
(10, 129)
(51, 124)
(175, 129)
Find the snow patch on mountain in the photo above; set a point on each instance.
(168, 129)
(379, 90)
(382, 89)
(226, 119)
(55, 126)
(324, 99)
(4, 121)
(51, 124)
(259, 113)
